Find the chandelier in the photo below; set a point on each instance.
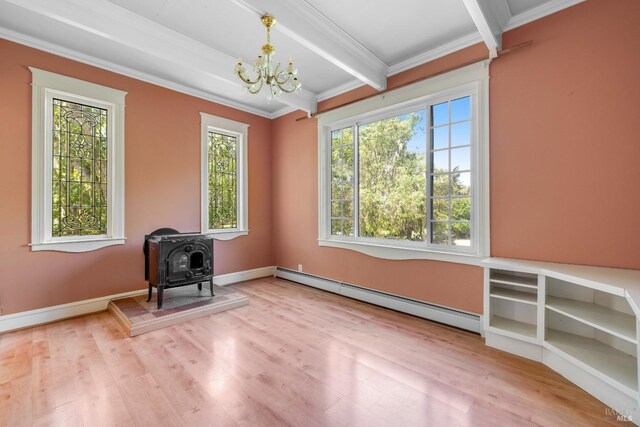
(274, 78)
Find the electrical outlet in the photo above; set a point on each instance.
(300, 267)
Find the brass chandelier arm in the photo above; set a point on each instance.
(248, 81)
(293, 89)
(256, 90)
(285, 77)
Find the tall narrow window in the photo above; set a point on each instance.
(223, 182)
(450, 184)
(78, 164)
(342, 182)
(224, 177)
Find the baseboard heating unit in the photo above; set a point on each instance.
(459, 319)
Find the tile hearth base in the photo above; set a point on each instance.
(137, 316)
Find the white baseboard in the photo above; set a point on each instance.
(448, 316)
(241, 276)
(40, 316)
(513, 345)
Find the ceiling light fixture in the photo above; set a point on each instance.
(277, 80)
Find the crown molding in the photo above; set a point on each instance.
(435, 53)
(302, 12)
(339, 90)
(539, 12)
(309, 27)
(122, 27)
(409, 63)
(125, 71)
(283, 111)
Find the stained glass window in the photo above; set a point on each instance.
(223, 182)
(79, 169)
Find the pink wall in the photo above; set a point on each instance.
(564, 172)
(162, 185)
(564, 138)
(564, 154)
(295, 222)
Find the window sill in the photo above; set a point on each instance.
(401, 253)
(80, 245)
(226, 235)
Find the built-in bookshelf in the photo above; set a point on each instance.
(513, 301)
(581, 321)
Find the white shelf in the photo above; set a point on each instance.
(513, 295)
(616, 368)
(511, 326)
(508, 279)
(611, 280)
(605, 319)
(512, 290)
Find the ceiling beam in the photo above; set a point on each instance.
(491, 18)
(125, 28)
(309, 27)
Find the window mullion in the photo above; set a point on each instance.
(47, 195)
(356, 182)
(450, 176)
(238, 177)
(428, 172)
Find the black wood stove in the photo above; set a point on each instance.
(175, 259)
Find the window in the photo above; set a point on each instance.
(342, 182)
(224, 177)
(78, 164)
(404, 176)
(450, 172)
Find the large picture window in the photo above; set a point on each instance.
(408, 180)
(224, 177)
(78, 164)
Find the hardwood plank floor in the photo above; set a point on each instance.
(294, 356)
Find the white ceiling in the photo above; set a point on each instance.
(397, 33)
(191, 45)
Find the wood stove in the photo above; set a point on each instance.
(175, 259)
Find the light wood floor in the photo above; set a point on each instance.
(295, 356)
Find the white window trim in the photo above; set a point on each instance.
(241, 131)
(473, 78)
(46, 85)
